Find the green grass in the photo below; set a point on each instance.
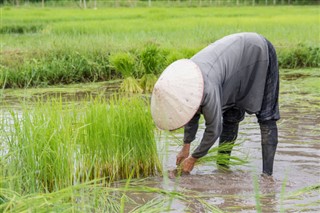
(224, 159)
(95, 196)
(84, 197)
(53, 145)
(300, 86)
(171, 27)
(50, 46)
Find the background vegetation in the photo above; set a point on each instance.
(135, 3)
(50, 46)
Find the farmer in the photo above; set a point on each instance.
(236, 74)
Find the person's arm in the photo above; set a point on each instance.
(213, 119)
(190, 130)
(212, 113)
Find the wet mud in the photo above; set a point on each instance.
(294, 186)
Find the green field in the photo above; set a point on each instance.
(58, 155)
(47, 46)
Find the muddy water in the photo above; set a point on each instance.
(297, 166)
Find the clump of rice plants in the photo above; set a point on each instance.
(300, 56)
(218, 154)
(41, 143)
(20, 29)
(91, 196)
(125, 64)
(153, 61)
(148, 81)
(52, 145)
(119, 140)
(218, 157)
(53, 67)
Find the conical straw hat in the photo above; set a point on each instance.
(177, 95)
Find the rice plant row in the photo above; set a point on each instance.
(53, 145)
(51, 46)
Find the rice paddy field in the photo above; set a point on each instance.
(49, 46)
(76, 134)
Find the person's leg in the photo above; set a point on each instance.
(269, 113)
(269, 142)
(231, 120)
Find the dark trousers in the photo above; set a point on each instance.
(267, 117)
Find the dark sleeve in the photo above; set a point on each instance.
(191, 128)
(212, 113)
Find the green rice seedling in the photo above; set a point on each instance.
(41, 144)
(224, 159)
(20, 29)
(174, 55)
(130, 84)
(85, 197)
(301, 194)
(148, 81)
(153, 61)
(257, 194)
(153, 206)
(95, 196)
(303, 191)
(119, 140)
(221, 161)
(151, 58)
(54, 145)
(282, 194)
(300, 56)
(125, 64)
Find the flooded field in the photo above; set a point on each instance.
(294, 187)
(297, 166)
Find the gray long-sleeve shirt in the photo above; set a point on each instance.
(234, 71)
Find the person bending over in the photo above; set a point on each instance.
(236, 74)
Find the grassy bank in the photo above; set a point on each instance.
(61, 46)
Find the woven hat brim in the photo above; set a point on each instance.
(177, 95)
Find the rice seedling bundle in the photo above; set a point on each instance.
(121, 138)
(153, 61)
(125, 63)
(54, 145)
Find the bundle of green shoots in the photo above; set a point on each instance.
(52, 145)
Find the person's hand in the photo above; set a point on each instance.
(183, 154)
(188, 164)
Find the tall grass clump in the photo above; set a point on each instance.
(41, 145)
(52, 145)
(20, 29)
(53, 67)
(300, 56)
(119, 140)
(152, 60)
(125, 63)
